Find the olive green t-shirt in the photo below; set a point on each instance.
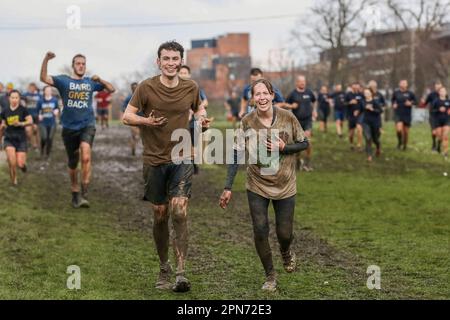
(280, 183)
(171, 103)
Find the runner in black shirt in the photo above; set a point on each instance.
(339, 108)
(14, 119)
(432, 96)
(402, 101)
(372, 122)
(302, 103)
(441, 114)
(324, 107)
(354, 100)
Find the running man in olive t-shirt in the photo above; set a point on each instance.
(165, 101)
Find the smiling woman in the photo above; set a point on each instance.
(277, 130)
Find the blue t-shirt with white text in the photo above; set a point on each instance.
(32, 100)
(46, 108)
(77, 101)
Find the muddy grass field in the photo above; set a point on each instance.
(394, 213)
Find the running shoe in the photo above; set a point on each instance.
(84, 203)
(289, 261)
(75, 200)
(271, 283)
(163, 282)
(181, 284)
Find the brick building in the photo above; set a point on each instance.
(220, 64)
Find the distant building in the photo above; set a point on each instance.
(387, 58)
(220, 65)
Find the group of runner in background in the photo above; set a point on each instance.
(360, 106)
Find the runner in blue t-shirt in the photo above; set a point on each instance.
(47, 110)
(77, 119)
(246, 100)
(31, 99)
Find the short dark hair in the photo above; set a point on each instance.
(256, 72)
(186, 67)
(266, 83)
(33, 84)
(78, 55)
(14, 91)
(172, 46)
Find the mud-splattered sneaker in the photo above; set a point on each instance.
(181, 284)
(163, 282)
(271, 283)
(289, 261)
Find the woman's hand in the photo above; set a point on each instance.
(278, 144)
(225, 199)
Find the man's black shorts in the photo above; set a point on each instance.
(307, 124)
(167, 181)
(72, 140)
(404, 118)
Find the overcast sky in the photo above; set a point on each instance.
(112, 52)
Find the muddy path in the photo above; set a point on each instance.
(117, 180)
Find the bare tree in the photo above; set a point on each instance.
(334, 28)
(423, 19)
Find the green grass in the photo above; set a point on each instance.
(394, 213)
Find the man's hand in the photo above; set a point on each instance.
(395, 106)
(369, 108)
(153, 121)
(95, 78)
(49, 55)
(355, 113)
(314, 115)
(442, 109)
(353, 101)
(225, 199)
(408, 103)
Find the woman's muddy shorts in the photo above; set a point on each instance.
(167, 181)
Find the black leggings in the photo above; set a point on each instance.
(371, 134)
(284, 219)
(47, 133)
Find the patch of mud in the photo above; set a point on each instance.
(117, 179)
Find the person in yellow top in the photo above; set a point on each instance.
(14, 119)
